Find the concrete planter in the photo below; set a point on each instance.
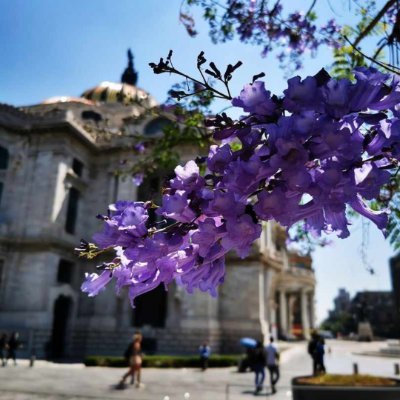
(314, 392)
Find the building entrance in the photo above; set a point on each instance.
(61, 315)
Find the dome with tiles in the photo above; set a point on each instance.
(125, 92)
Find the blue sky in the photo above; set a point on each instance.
(63, 47)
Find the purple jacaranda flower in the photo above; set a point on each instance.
(341, 142)
(336, 221)
(152, 248)
(225, 204)
(95, 283)
(123, 277)
(329, 177)
(206, 277)
(373, 90)
(307, 165)
(187, 178)
(379, 218)
(369, 179)
(126, 223)
(206, 235)
(297, 179)
(243, 177)
(131, 217)
(139, 147)
(241, 233)
(302, 95)
(336, 94)
(290, 155)
(230, 132)
(276, 204)
(137, 179)
(368, 89)
(255, 99)
(109, 237)
(303, 124)
(387, 137)
(219, 157)
(176, 206)
(315, 221)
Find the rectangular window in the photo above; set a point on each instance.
(2, 277)
(77, 167)
(65, 271)
(72, 210)
(4, 157)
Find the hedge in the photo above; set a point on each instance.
(164, 361)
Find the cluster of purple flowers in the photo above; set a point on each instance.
(324, 145)
(296, 34)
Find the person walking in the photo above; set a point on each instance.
(205, 353)
(312, 351)
(273, 364)
(258, 364)
(12, 347)
(135, 358)
(319, 355)
(3, 349)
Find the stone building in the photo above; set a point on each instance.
(57, 164)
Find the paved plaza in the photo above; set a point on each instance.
(50, 381)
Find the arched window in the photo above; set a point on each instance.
(4, 156)
(156, 126)
(72, 210)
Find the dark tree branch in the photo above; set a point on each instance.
(373, 23)
(311, 8)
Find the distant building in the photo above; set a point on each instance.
(377, 308)
(57, 171)
(341, 303)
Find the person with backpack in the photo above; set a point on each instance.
(258, 361)
(205, 353)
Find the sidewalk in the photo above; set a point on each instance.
(50, 381)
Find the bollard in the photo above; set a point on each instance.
(396, 369)
(355, 369)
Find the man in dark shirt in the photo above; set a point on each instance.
(258, 361)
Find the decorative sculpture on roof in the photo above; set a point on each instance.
(130, 76)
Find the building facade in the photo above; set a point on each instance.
(57, 171)
(378, 309)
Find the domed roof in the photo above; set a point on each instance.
(112, 92)
(67, 99)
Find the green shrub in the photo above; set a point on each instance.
(164, 361)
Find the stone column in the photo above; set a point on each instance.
(305, 322)
(290, 301)
(272, 320)
(283, 312)
(312, 310)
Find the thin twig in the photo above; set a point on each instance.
(388, 67)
